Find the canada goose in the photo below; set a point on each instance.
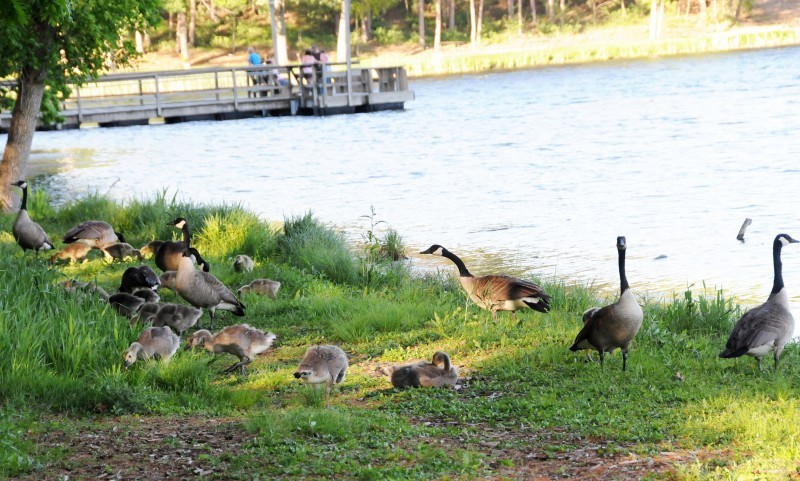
(125, 304)
(93, 233)
(121, 250)
(437, 373)
(243, 263)
(496, 292)
(139, 277)
(261, 286)
(151, 248)
(27, 233)
(743, 228)
(241, 340)
(169, 254)
(152, 342)
(177, 316)
(769, 326)
(167, 279)
(148, 295)
(199, 288)
(613, 326)
(323, 364)
(73, 252)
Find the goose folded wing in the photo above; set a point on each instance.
(757, 327)
(219, 289)
(509, 288)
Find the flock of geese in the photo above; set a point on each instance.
(758, 332)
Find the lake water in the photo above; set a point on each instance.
(532, 172)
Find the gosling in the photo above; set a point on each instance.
(323, 364)
(73, 252)
(261, 286)
(121, 251)
(438, 373)
(240, 340)
(177, 316)
(167, 279)
(125, 304)
(243, 263)
(158, 342)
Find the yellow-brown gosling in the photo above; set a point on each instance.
(243, 263)
(122, 250)
(261, 286)
(323, 365)
(73, 252)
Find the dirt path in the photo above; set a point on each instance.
(775, 12)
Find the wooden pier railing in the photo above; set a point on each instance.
(234, 92)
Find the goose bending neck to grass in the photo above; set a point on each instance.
(200, 288)
(496, 292)
(27, 233)
(613, 326)
(768, 327)
(93, 233)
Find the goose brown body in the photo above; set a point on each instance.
(93, 233)
(323, 365)
(240, 340)
(158, 342)
(496, 292)
(437, 373)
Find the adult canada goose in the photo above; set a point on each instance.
(243, 263)
(496, 292)
(613, 326)
(121, 250)
(199, 288)
(141, 277)
(158, 342)
(437, 373)
(769, 326)
(241, 340)
(169, 254)
(93, 233)
(323, 365)
(261, 286)
(27, 233)
(73, 252)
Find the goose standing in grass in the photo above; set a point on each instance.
(496, 292)
(93, 233)
(199, 288)
(169, 254)
(438, 373)
(323, 365)
(261, 286)
(167, 279)
(768, 327)
(243, 263)
(27, 233)
(125, 304)
(613, 326)
(240, 340)
(177, 316)
(158, 342)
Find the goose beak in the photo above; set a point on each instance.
(297, 375)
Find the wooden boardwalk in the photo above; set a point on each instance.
(227, 93)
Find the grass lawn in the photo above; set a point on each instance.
(525, 406)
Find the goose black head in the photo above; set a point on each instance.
(785, 239)
(621, 243)
(21, 184)
(178, 223)
(435, 249)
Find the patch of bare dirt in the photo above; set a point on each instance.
(775, 12)
(141, 448)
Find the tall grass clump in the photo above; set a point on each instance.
(698, 315)
(308, 244)
(235, 232)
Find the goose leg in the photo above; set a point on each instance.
(624, 360)
(760, 367)
(602, 358)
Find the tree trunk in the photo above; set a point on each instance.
(183, 38)
(233, 33)
(139, 41)
(594, 11)
(480, 22)
(738, 9)
(550, 11)
(437, 35)
(473, 26)
(519, 17)
(341, 37)
(366, 27)
(533, 13)
(622, 6)
(278, 24)
(451, 21)
(653, 19)
(421, 11)
(510, 9)
(192, 21)
(20, 133)
(562, 7)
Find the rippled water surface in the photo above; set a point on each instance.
(532, 171)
